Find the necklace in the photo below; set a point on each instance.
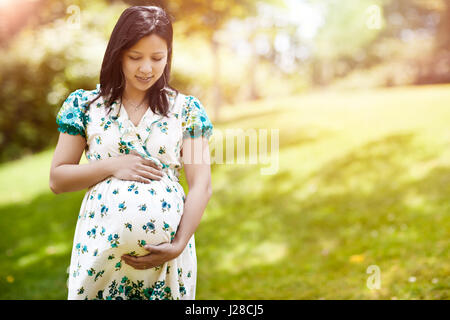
(135, 106)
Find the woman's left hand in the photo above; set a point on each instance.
(158, 255)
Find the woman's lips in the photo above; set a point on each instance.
(144, 79)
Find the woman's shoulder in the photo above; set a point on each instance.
(175, 94)
(78, 96)
(178, 100)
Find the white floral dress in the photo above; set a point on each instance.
(119, 216)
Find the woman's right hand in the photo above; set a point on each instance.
(134, 167)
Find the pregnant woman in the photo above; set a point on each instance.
(134, 237)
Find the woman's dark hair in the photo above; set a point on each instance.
(134, 23)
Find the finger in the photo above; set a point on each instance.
(136, 259)
(132, 262)
(141, 264)
(152, 164)
(149, 248)
(152, 170)
(135, 266)
(127, 258)
(140, 179)
(149, 175)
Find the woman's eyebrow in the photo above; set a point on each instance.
(141, 52)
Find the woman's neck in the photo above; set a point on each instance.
(133, 95)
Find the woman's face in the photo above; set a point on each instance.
(146, 59)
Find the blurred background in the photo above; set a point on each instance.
(359, 91)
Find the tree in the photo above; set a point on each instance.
(207, 18)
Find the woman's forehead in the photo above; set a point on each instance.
(150, 44)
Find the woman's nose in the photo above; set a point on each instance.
(146, 68)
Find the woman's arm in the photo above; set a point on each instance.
(66, 175)
(196, 159)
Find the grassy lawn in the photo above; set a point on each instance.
(363, 180)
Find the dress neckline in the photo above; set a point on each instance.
(128, 117)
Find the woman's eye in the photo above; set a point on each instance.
(139, 58)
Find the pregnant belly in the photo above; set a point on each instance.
(130, 214)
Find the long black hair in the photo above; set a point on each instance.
(135, 23)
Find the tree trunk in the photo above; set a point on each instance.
(253, 90)
(216, 75)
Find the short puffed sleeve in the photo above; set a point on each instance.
(71, 117)
(195, 121)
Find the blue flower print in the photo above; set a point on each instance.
(71, 117)
(124, 147)
(93, 155)
(76, 272)
(81, 249)
(165, 205)
(122, 206)
(103, 210)
(92, 233)
(182, 288)
(114, 240)
(104, 124)
(133, 187)
(142, 243)
(99, 274)
(149, 226)
(133, 253)
(128, 226)
(162, 127)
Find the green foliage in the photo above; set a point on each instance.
(39, 70)
(356, 36)
(345, 30)
(46, 62)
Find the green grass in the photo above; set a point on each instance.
(363, 179)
